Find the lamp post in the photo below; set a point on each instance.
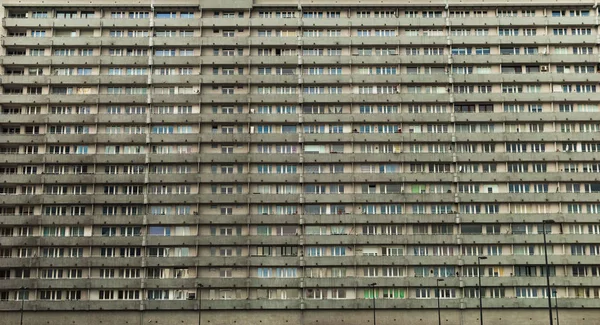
(479, 258)
(544, 223)
(556, 306)
(437, 288)
(200, 286)
(22, 302)
(372, 285)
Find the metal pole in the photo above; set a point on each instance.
(437, 288)
(438, 304)
(22, 303)
(556, 306)
(373, 286)
(479, 258)
(544, 223)
(200, 303)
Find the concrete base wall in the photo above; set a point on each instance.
(334, 317)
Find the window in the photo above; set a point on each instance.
(186, 52)
(433, 51)
(36, 52)
(165, 52)
(278, 14)
(507, 13)
(512, 89)
(510, 50)
(39, 14)
(363, 32)
(186, 14)
(432, 14)
(412, 51)
(164, 14)
(138, 15)
(385, 32)
(482, 32)
(581, 31)
(559, 31)
(137, 33)
(579, 13)
(312, 14)
(66, 14)
(462, 70)
(508, 32)
(334, 51)
(461, 51)
(526, 292)
(84, 71)
(38, 33)
(422, 293)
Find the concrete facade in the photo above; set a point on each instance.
(269, 161)
(308, 317)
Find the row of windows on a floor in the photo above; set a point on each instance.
(374, 168)
(267, 90)
(310, 51)
(315, 189)
(569, 147)
(392, 12)
(311, 251)
(387, 229)
(387, 70)
(310, 272)
(308, 32)
(316, 128)
(325, 209)
(574, 167)
(582, 127)
(322, 209)
(321, 51)
(313, 273)
(313, 128)
(319, 70)
(279, 209)
(271, 230)
(309, 293)
(308, 189)
(307, 109)
(313, 169)
(521, 187)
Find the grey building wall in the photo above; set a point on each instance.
(283, 157)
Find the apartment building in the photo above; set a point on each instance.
(265, 161)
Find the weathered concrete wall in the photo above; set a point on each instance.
(404, 317)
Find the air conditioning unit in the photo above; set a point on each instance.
(544, 68)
